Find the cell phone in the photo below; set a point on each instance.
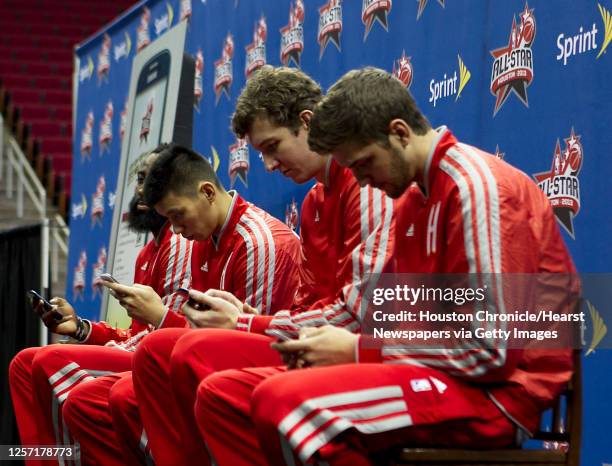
(193, 303)
(34, 298)
(107, 277)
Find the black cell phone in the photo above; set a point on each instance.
(34, 298)
(191, 302)
(107, 277)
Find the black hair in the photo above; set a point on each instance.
(177, 169)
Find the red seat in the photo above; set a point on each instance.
(58, 97)
(25, 96)
(17, 81)
(55, 145)
(61, 162)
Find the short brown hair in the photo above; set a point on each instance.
(279, 94)
(358, 109)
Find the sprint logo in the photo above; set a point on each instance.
(122, 49)
(86, 71)
(607, 20)
(163, 23)
(448, 86)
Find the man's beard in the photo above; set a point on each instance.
(144, 221)
(400, 176)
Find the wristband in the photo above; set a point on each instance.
(81, 333)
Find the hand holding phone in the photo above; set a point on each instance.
(107, 277)
(41, 306)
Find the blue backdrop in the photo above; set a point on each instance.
(528, 82)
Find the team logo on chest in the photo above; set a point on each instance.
(513, 64)
(432, 228)
(561, 184)
(292, 35)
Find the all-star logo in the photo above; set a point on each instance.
(104, 59)
(143, 38)
(256, 51)
(123, 118)
(375, 11)
(164, 22)
(87, 137)
(402, 69)
(330, 25)
(78, 280)
(513, 64)
(561, 184)
(98, 269)
(498, 153)
(291, 215)
(423, 4)
(79, 210)
(239, 162)
(145, 125)
(122, 49)
(186, 10)
(198, 90)
(223, 69)
(97, 202)
(292, 35)
(87, 70)
(106, 128)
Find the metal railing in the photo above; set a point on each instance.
(14, 164)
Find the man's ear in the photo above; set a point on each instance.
(305, 116)
(207, 189)
(400, 130)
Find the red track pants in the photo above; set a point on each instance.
(168, 367)
(41, 380)
(342, 414)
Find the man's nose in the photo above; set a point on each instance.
(270, 163)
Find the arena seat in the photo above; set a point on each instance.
(36, 67)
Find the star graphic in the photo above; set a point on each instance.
(498, 154)
(334, 38)
(517, 86)
(380, 16)
(573, 139)
(423, 4)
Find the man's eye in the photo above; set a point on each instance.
(272, 148)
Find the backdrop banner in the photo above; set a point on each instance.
(526, 81)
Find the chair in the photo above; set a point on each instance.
(566, 428)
